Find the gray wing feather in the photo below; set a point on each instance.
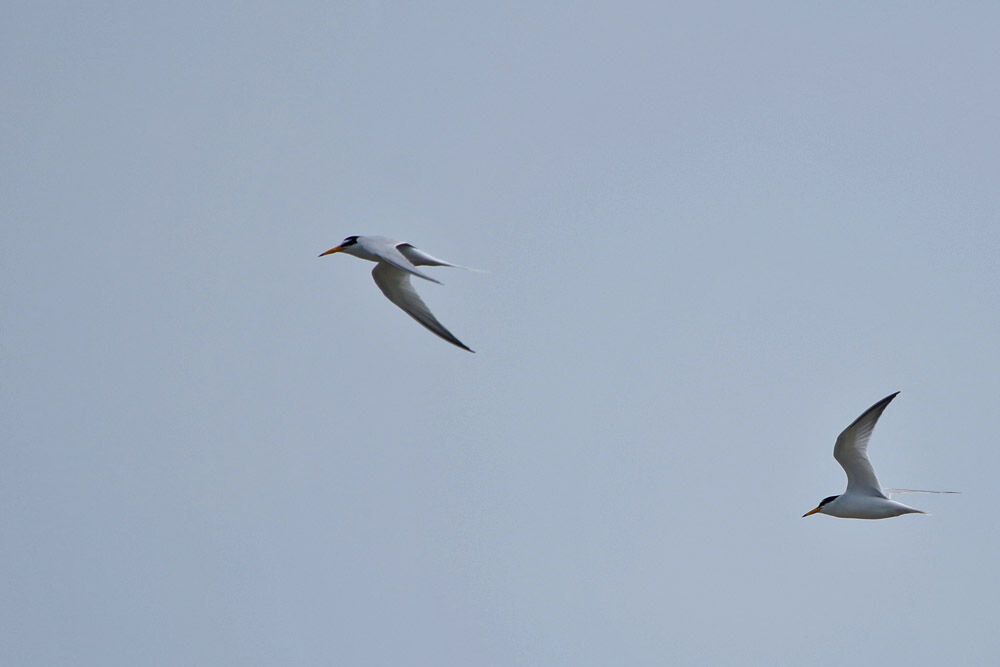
(395, 284)
(851, 450)
(418, 257)
(387, 252)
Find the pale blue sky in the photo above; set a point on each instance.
(715, 234)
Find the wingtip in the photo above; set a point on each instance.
(888, 399)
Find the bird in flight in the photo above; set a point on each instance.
(864, 497)
(394, 264)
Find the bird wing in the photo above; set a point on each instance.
(395, 284)
(851, 450)
(385, 249)
(418, 257)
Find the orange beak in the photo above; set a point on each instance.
(810, 512)
(332, 250)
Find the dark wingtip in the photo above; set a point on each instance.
(456, 342)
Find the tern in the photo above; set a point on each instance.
(864, 498)
(394, 263)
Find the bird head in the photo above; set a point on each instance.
(348, 245)
(822, 504)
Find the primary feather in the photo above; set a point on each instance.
(395, 284)
(851, 450)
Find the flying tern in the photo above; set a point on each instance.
(394, 263)
(864, 497)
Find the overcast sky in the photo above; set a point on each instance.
(714, 234)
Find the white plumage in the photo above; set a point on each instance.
(394, 263)
(864, 497)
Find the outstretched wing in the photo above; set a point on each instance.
(418, 257)
(395, 284)
(851, 450)
(386, 251)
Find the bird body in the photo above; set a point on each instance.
(858, 506)
(863, 498)
(395, 262)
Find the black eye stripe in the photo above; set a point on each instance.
(826, 500)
